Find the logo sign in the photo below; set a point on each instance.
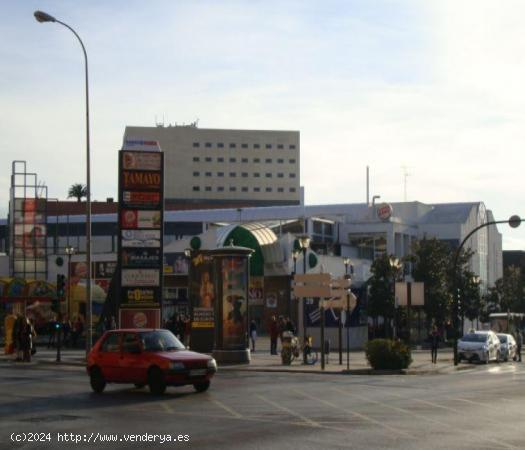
(140, 296)
(141, 144)
(131, 218)
(140, 277)
(141, 180)
(141, 238)
(384, 211)
(140, 318)
(141, 161)
(105, 269)
(144, 257)
(138, 199)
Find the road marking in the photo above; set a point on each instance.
(167, 408)
(289, 411)
(226, 408)
(420, 416)
(356, 414)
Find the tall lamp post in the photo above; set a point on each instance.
(295, 255)
(346, 262)
(304, 243)
(70, 251)
(514, 222)
(42, 17)
(396, 265)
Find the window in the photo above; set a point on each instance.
(244, 145)
(196, 159)
(208, 159)
(233, 188)
(256, 189)
(220, 159)
(244, 189)
(292, 161)
(207, 145)
(196, 188)
(233, 160)
(280, 175)
(233, 145)
(280, 161)
(244, 160)
(220, 145)
(280, 146)
(268, 160)
(292, 189)
(220, 188)
(208, 174)
(207, 188)
(196, 145)
(291, 147)
(256, 146)
(292, 175)
(130, 342)
(268, 189)
(268, 175)
(244, 174)
(220, 174)
(268, 145)
(111, 343)
(256, 160)
(280, 190)
(233, 174)
(196, 174)
(256, 175)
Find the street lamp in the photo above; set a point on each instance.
(70, 251)
(42, 17)
(347, 262)
(395, 265)
(295, 255)
(304, 243)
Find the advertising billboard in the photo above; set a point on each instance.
(139, 180)
(132, 219)
(175, 264)
(234, 288)
(140, 199)
(141, 161)
(202, 290)
(139, 318)
(140, 257)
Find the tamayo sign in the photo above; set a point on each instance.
(141, 180)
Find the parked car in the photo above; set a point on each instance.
(147, 357)
(509, 347)
(483, 346)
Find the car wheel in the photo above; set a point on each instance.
(139, 385)
(514, 358)
(487, 358)
(156, 381)
(97, 381)
(201, 387)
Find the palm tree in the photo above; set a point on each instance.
(78, 191)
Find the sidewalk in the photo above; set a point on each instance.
(262, 361)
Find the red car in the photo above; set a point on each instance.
(145, 356)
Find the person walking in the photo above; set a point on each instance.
(434, 343)
(274, 334)
(519, 342)
(253, 334)
(27, 333)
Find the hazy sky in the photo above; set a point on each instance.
(437, 86)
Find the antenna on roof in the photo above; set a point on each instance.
(406, 174)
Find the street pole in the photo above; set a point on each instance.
(322, 333)
(304, 306)
(346, 262)
(44, 17)
(409, 310)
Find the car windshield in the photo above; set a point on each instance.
(160, 341)
(502, 338)
(474, 337)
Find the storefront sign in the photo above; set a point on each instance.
(203, 318)
(131, 218)
(140, 277)
(139, 199)
(139, 296)
(141, 257)
(141, 238)
(142, 180)
(141, 161)
(384, 211)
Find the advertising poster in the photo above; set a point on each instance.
(134, 180)
(131, 218)
(140, 277)
(140, 257)
(202, 291)
(141, 161)
(133, 297)
(256, 291)
(234, 282)
(104, 269)
(175, 264)
(139, 318)
(139, 199)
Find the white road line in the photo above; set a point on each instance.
(289, 411)
(167, 408)
(356, 414)
(226, 408)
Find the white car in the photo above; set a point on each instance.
(483, 346)
(509, 347)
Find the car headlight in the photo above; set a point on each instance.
(212, 364)
(177, 365)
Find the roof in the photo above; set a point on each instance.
(261, 232)
(449, 213)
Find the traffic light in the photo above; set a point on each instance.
(60, 293)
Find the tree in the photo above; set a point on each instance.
(507, 293)
(78, 191)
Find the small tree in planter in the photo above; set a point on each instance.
(386, 354)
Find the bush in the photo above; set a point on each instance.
(388, 354)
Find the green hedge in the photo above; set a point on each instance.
(388, 354)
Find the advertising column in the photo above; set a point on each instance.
(141, 224)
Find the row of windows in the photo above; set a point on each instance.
(244, 174)
(234, 145)
(243, 189)
(243, 160)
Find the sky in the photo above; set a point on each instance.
(434, 89)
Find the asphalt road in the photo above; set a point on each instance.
(482, 408)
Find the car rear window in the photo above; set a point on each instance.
(474, 337)
(502, 338)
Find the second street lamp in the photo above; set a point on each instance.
(304, 243)
(347, 262)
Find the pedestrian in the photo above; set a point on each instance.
(253, 334)
(52, 328)
(274, 334)
(27, 333)
(78, 328)
(434, 343)
(66, 331)
(519, 342)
